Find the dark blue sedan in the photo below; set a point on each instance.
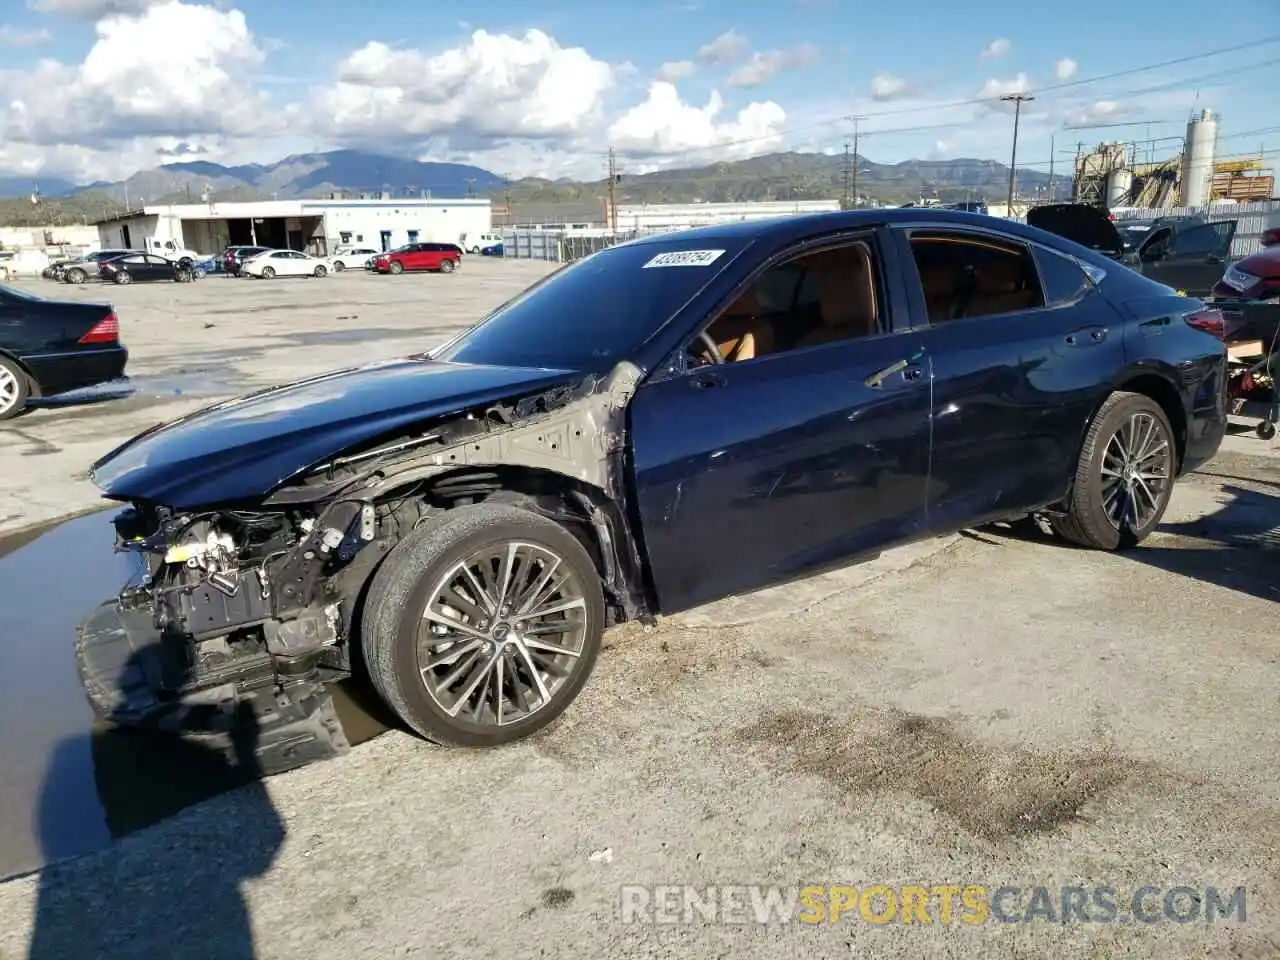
(667, 422)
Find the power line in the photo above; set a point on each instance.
(978, 101)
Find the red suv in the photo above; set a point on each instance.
(444, 257)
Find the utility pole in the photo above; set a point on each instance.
(506, 200)
(1052, 153)
(613, 190)
(855, 159)
(471, 186)
(1017, 99)
(845, 204)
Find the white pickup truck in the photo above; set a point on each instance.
(171, 251)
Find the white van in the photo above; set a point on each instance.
(475, 242)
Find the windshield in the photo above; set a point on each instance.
(591, 314)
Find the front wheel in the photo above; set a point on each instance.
(14, 389)
(268, 273)
(446, 266)
(123, 277)
(76, 276)
(397, 266)
(320, 271)
(481, 627)
(1124, 477)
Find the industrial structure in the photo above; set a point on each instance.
(1110, 176)
(314, 226)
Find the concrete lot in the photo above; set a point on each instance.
(989, 709)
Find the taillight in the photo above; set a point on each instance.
(1210, 320)
(106, 330)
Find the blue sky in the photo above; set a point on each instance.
(141, 82)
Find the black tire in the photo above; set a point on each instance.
(447, 266)
(474, 250)
(319, 271)
(123, 277)
(268, 273)
(402, 587)
(1266, 430)
(13, 405)
(338, 266)
(76, 276)
(396, 267)
(1087, 522)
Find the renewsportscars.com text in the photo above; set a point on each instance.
(971, 904)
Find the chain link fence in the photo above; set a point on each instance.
(565, 246)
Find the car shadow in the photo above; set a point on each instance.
(182, 898)
(1236, 547)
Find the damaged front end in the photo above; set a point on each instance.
(241, 617)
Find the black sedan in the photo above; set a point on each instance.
(667, 422)
(49, 347)
(145, 268)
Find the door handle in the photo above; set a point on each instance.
(705, 381)
(1083, 338)
(1213, 258)
(908, 368)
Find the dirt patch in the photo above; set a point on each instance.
(992, 792)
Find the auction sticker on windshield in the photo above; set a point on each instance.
(684, 258)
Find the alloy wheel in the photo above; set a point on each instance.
(501, 632)
(9, 389)
(1137, 468)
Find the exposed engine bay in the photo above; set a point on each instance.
(258, 606)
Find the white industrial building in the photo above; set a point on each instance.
(315, 226)
(667, 216)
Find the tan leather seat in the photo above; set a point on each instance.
(738, 333)
(1000, 289)
(846, 299)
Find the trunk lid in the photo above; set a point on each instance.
(1081, 223)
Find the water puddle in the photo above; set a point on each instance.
(68, 783)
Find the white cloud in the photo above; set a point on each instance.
(887, 86)
(664, 124)
(11, 36)
(92, 10)
(675, 70)
(762, 66)
(493, 87)
(723, 50)
(170, 71)
(996, 48)
(995, 88)
(1065, 68)
(1100, 111)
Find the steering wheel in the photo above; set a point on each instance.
(716, 356)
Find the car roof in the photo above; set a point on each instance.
(787, 226)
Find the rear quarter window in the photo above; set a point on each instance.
(1063, 279)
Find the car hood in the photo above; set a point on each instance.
(243, 449)
(1264, 263)
(1086, 225)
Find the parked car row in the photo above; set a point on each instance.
(123, 266)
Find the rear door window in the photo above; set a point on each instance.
(1064, 280)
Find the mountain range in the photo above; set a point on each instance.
(778, 176)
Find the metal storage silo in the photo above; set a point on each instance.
(1197, 159)
(1119, 183)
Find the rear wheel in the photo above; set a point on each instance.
(397, 266)
(1124, 477)
(338, 266)
(14, 389)
(482, 627)
(475, 250)
(446, 266)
